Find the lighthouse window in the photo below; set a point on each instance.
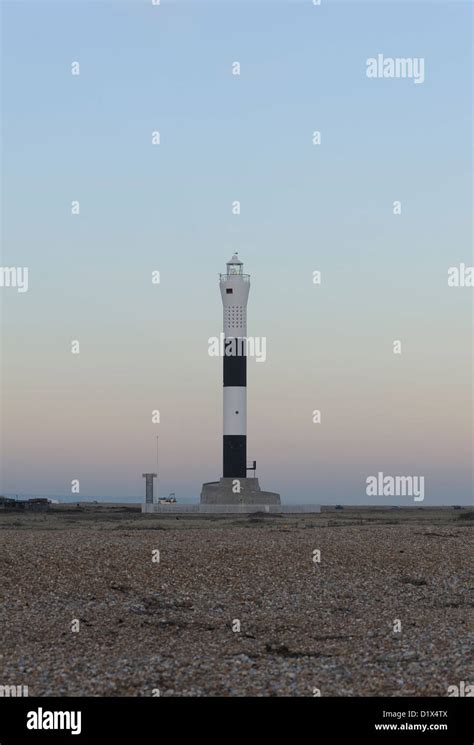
(229, 290)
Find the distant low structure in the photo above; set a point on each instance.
(243, 508)
(149, 486)
(171, 499)
(37, 504)
(7, 504)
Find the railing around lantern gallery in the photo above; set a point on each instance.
(226, 277)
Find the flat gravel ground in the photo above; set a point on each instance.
(236, 606)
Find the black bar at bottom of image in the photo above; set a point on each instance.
(148, 720)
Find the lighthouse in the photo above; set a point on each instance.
(235, 286)
(234, 487)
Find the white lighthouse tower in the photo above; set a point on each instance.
(234, 487)
(235, 286)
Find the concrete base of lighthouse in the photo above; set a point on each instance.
(223, 492)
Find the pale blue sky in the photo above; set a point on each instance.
(304, 207)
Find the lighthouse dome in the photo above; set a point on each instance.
(234, 265)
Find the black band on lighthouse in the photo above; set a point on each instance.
(235, 456)
(235, 368)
